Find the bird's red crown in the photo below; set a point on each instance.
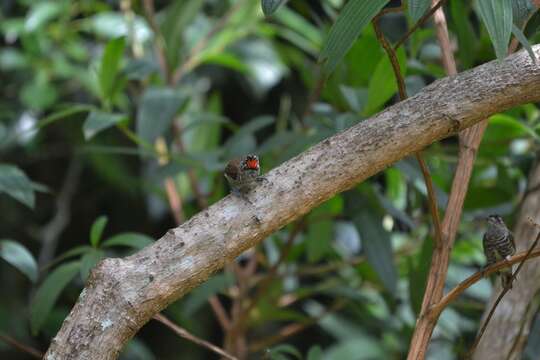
(252, 162)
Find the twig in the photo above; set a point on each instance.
(432, 200)
(159, 48)
(419, 23)
(191, 59)
(504, 291)
(51, 232)
(22, 347)
(188, 336)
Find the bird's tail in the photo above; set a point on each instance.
(506, 279)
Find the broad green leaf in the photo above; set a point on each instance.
(497, 17)
(88, 261)
(48, 292)
(364, 348)
(18, 256)
(64, 113)
(98, 121)
(157, 110)
(524, 42)
(134, 240)
(417, 8)
(315, 353)
(352, 19)
(97, 230)
(270, 6)
(321, 229)
(200, 295)
(367, 215)
(109, 67)
(15, 183)
(74, 251)
(503, 127)
(383, 83)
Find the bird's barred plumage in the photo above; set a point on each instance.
(498, 243)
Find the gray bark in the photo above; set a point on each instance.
(121, 295)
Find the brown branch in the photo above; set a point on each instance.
(21, 347)
(419, 23)
(122, 294)
(432, 199)
(453, 294)
(504, 291)
(180, 331)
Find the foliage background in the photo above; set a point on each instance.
(111, 110)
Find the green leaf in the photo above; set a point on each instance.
(417, 8)
(315, 353)
(18, 256)
(524, 42)
(157, 110)
(109, 67)
(200, 295)
(375, 239)
(15, 183)
(88, 261)
(41, 13)
(383, 83)
(521, 11)
(270, 6)
(98, 121)
(497, 16)
(277, 352)
(48, 293)
(130, 239)
(466, 36)
(353, 18)
(321, 229)
(97, 230)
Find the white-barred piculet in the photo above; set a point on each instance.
(499, 244)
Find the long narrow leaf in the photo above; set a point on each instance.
(497, 16)
(417, 8)
(353, 18)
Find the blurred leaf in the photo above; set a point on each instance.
(298, 30)
(278, 352)
(97, 230)
(503, 127)
(270, 6)
(88, 261)
(375, 240)
(354, 16)
(136, 349)
(39, 94)
(98, 121)
(199, 296)
(357, 349)
(48, 292)
(15, 183)
(524, 42)
(75, 251)
(157, 110)
(112, 25)
(417, 8)
(130, 239)
(497, 17)
(40, 13)
(243, 141)
(320, 231)
(109, 67)
(466, 35)
(18, 256)
(315, 353)
(418, 273)
(521, 10)
(383, 84)
(140, 69)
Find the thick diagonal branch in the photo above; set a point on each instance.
(123, 294)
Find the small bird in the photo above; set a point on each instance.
(498, 243)
(243, 174)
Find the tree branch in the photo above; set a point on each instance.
(123, 294)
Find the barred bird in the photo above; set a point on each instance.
(243, 174)
(499, 244)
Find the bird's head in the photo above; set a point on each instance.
(495, 220)
(251, 162)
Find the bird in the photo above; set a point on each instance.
(243, 174)
(498, 243)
